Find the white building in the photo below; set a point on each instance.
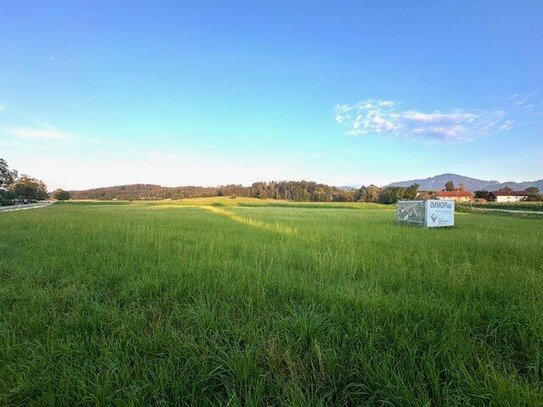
(508, 196)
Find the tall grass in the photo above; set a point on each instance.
(522, 206)
(148, 304)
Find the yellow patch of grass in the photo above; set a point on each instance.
(272, 227)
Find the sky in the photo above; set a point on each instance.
(100, 93)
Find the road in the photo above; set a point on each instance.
(507, 211)
(22, 207)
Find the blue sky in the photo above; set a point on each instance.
(99, 93)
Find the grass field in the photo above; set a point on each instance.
(236, 302)
(520, 206)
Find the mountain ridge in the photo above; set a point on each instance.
(437, 183)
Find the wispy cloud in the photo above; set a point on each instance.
(61, 61)
(44, 132)
(1, 107)
(384, 117)
(528, 103)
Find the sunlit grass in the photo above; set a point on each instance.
(249, 202)
(124, 304)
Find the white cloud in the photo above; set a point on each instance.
(507, 124)
(1, 107)
(382, 117)
(45, 132)
(522, 103)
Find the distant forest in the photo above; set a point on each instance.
(15, 188)
(301, 191)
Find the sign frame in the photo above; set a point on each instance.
(430, 213)
(439, 213)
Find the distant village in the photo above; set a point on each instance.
(460, 194)
(495, 196)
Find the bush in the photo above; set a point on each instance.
(61, 195)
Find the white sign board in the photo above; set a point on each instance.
(439, 213)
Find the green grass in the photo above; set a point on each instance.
(522, 206)
(156, 304)
(257, 203)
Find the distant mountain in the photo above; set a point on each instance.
(517, 186)
(349, 187)
(472, 184)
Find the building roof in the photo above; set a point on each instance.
(509, 193)
(453, 194)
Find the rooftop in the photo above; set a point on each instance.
(453, 193)
(509, 193)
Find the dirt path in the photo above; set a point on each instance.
(507, 211)
(22, 207)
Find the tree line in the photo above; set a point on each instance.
(23, 188)
(17, 188)
(301, 191)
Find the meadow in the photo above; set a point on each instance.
(247, 302)
(536, 206)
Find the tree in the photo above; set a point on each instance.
(61, 195)
(532, 190)
(391, 195)
(373, 193)
(461, 187)
(533, 194)
(345, 196)
(319, 195)
(424, 195)
(367, 194)
(29, 188)
(505, 189)
(482, 194)
(411, 191)
(7, 176)
(449, 186)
